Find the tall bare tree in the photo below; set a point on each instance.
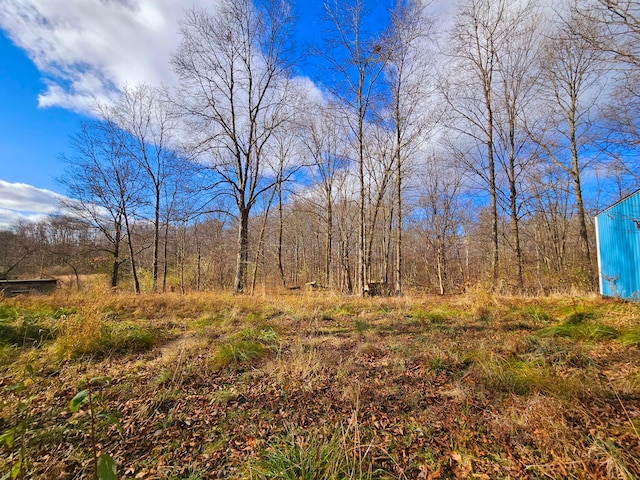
(619, 22)
(104, 185)
(479, 32)
(324, 138)
(570, 74)
(516, 75)
(144, 116)
(358, 57)
(233, 71)
(412, 118)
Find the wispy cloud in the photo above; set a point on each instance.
(22, 202)
(87, 49)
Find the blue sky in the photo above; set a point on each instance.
(57, 55)
(31, 138)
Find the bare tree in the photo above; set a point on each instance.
(479, 32)
(233, 72)
(103, 183)
(570, 74)
(619, 22)
(441, 204)
(412, 118)
(324, 138)
(516, 75)
(359, 60)
(149, 127)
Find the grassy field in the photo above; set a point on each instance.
(322, 386)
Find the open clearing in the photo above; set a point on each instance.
(320, 386)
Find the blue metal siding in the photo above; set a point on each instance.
(618, 243)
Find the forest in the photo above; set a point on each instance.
(426, 153)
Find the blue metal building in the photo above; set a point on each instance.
(618, 245)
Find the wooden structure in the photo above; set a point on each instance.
(44, 286)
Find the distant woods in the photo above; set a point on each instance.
(437, 154)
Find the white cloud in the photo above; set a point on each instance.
(90, 48)
(22, 202)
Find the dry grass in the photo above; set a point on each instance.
(213, 385)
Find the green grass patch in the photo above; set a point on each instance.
(555, 351)
(8, 312)
(580, 330)
(435, 317)
(90, 336)
(630, 337)
(313, 457)
(361, 326)
(538, 315)
(246, 346)
(521, 377)
(23, 332)
(127, 337)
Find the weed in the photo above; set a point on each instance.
(28, 332)
(90, 335)
(17, 435)
(224, 395)
(104, 466)
(437, 317)
(612, 458)
(313, 456)
(301, 368)
(555, 351)
(369, 348)
(8, 312)
(580, 316)
(126, 337)
(538, 315)
(236, 352)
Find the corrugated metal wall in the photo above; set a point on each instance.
(618, 243)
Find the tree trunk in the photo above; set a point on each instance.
(513, 205)
(243, 250)
(584, 236)
(115, 270)
(132, 258)
(493, 193)
(398, 222)
(165, 267)
(361, 203)
(156, 241)
(259, 249)
(280, 231)
(328, 241)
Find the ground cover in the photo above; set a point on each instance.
(319, 386)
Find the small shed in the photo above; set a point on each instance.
(618, 246)
(44, 286)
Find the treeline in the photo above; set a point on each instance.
(425, 155)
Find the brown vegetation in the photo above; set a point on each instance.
(310, 385)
